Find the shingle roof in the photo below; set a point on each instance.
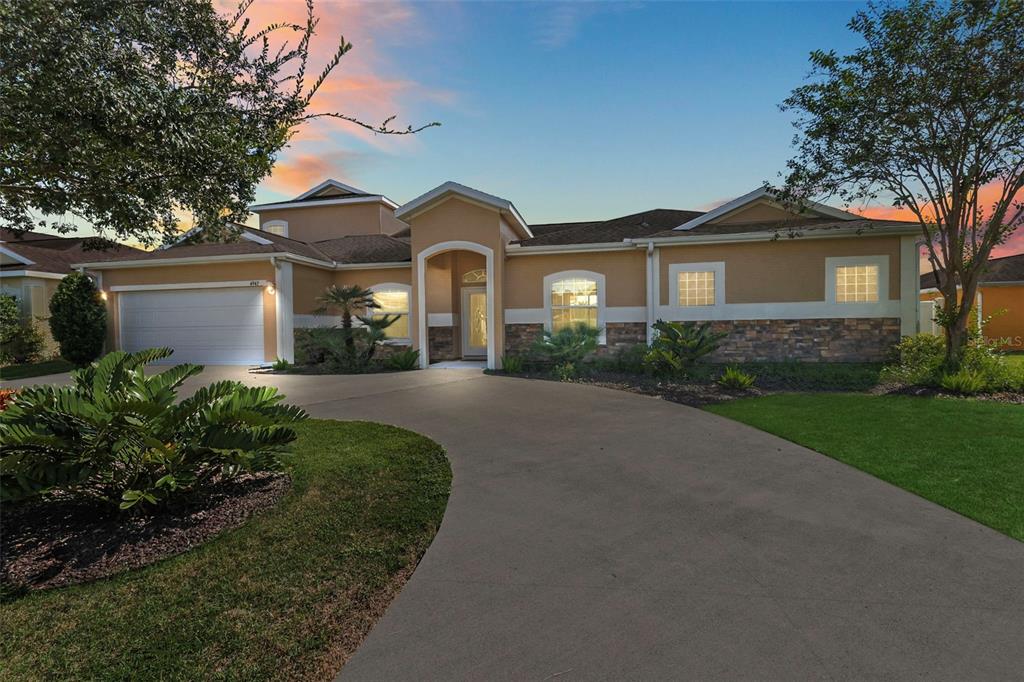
(1005, 269)
(641, 224)
(785, 226)
(50, 253)
(366, 248)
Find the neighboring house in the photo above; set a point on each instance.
(1000, 297)
(33, 263)
(471, 278)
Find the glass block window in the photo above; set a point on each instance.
(696, 288)
(856, 283)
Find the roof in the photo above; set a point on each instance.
(763, 193)
(51, 253)
(797, 224)
(367, 248)
(999, 270)
(641, 224)
(451, 188)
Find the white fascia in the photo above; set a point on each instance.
(775, 235)
(31, 273)
(16, 256)
(756, 195)
(374, 199)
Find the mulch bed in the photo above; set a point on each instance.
(1009, 397)
(58, 542)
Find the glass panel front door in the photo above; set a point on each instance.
(474, 322)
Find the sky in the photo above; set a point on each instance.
(572, 110)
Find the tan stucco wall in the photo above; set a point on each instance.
(457, 220)
(327, 222)
(782, 271)
(625, 276)
(1007, 327)
(187, 274)
(308, 284)
(755, 213)
(368, 278)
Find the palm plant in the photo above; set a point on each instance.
(679, 345)
(121, 437)
(351, 301)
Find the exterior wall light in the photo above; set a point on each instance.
(103, 295)
(271, 290)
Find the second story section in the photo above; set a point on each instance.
(330, 210)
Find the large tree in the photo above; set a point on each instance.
(130, 114)
(927, 114)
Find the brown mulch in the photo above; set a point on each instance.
(1009, 397)
(57, 542)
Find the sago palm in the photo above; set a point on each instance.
(351, 301)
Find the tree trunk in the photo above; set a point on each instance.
(956, 342)
(346, 325)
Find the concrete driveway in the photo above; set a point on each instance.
(595, 534)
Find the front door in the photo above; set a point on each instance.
(474, 322)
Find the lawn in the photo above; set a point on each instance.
(287, 596)
(967, 455)
(35, 369)
(1016, 359)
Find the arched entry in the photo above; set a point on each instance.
(421, 295)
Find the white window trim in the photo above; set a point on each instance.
(396, 286)
(549, 281)
(831, 264)
(276, 223)
(717, 267)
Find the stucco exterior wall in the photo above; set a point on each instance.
(1006, 328)
(370, 277)
(189, 274)
(625, 276)
(316, 223)
(781, 271)
(308, 284)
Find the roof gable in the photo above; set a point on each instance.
(454, 189)
(329, 188)
(760, 205)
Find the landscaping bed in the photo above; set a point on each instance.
(287, 595)
(61, 542)
(35, 369)
(962, 454)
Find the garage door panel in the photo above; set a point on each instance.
(212, 326)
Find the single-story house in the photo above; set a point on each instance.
(1000, 298)
(471, 278)
(33, 263)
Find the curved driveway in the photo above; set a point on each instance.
(596, 534)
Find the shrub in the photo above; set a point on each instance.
(565, 371)
(964, 382)
(626, 359)
(348, 351)
(24, 343)
(122, 438)
(78, 319)
(10, 321)
(735, 378)
(920, 362)
(512, 364)
(281, 365)
(404, 360)
(570, 344)
(679, 345)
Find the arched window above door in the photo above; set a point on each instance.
(475, 277)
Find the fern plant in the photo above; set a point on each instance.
(678, 345)
(512, 364)
(736, 379)
(122, 438)
(964, 382)
(570, 344)
(404, 360)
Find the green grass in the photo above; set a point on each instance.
(35, 369)
(1016, 360)
(963, 454)
(286, 596)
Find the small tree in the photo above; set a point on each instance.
(350, 301)
(929, 112)
(78, 319)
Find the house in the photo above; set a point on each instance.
(471, 278)
(1000, 297)
(33, 263)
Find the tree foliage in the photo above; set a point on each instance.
(131, 115)
(928, 113)
(78, 319)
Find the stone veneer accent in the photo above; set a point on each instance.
(828, 340)
(441, 341)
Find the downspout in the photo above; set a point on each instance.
(651, 283)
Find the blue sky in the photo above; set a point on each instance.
(571, 110)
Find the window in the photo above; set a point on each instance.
(573, 301)
(856, 283)
(278, 227)
(475, 277)
(392, 300)
(696, 288)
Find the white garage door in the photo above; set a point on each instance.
(209, 326)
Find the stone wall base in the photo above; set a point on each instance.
(442, 343)
(828, 340)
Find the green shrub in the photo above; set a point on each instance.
(78, 319)
(918, 360)
(736, 379)
(24, 343)
(122, 438)
(404, 360)
(336, 349)
(281, 365)
(679, 345)
(964, 382)
(10, 321)
(565, 371)
(512, 364)
(626, 360)
(920, 363)
(570, 344)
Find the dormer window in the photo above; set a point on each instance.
(278, 227)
